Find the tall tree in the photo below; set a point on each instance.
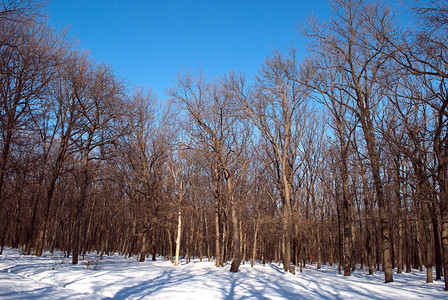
(216, 130)
(277, 107)
(98, 95)
(325, 82)
(357, 35)
(422, 54)
(65, 116)
(29, 54)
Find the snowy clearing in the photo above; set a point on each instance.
(53, 277)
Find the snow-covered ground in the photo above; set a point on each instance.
(53, 277)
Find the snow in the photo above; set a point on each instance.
(115, 277)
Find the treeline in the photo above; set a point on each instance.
(338, 157)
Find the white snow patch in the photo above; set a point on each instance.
(53, 277)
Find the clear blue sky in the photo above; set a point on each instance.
(148, 42)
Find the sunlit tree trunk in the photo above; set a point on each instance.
(179, 224)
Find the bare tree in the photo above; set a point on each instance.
(18, 10)
(178, 169)
(277, 107)
(356, 36)
(215, 130)
(97, 94)
(324, 80)
(28, 62)
(422, 54)
(64, 107)
(143, 155)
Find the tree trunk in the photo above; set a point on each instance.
(367, 127)
(438, 254)
(254, 246)
(347, 234)
(179, 232)
(428, 244)
(179, 223)
(154, 244)
(368, 213)
(440, 147)
(224, 253)
(143, 248)
(319, 245)
(3, 164)
(207, 235)
(340, 233)
(236, 242)
(241, 237)
(217, 246)
(418, 239)
(75, 243)
(444, 216)
(399, 217)
(170, 244)
(78, 216)
(235, 228)
(287, 225)
(346, 204)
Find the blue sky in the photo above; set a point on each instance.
(149, 42)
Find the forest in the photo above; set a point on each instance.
(339, 157)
